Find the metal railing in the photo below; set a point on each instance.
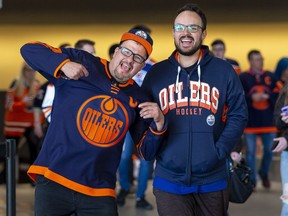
(8, 151)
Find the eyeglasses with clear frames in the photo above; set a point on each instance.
(190, 28)
(136, 57)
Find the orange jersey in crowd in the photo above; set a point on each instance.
(18, 116)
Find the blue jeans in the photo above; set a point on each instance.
(284, 178)
(52, 198)
(124, 169)
(250, 142)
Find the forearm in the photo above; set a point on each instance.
(44, 58)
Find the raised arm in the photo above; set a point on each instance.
(52, 62)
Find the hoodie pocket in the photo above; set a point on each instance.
(204, 156)
(173, 157)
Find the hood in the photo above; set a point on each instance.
(204, 58)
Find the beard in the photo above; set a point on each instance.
(189, 52)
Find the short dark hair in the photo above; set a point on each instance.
(217, 42)
(194, 8)
(253, 52)
(64, 45)
(80, 43)
(112, 48)
(143, 28)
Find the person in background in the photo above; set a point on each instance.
(126, 163)
(281, 122)
(281, 71)
(261, 91)
(86, 45)
(202, 99)
(219, 49)
(19, 116)
(95, 104)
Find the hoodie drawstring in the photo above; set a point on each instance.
(199, 78)
(177, 79)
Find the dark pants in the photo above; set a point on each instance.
(195, 204)
(53, 199)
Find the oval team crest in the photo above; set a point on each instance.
(102, 121)
(210, 120)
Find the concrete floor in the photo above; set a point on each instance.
(261, 203)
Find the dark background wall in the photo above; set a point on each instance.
(142, 11)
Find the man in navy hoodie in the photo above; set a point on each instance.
(202, 99)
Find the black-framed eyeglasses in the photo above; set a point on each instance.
(190, 28)
(136, 57)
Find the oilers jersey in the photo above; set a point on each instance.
(91, 116)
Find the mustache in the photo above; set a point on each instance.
(187, 36)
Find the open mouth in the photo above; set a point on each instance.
(125, 66)
(186, 41)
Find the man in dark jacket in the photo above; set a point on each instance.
(202, 99)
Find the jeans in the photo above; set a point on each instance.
(284, 178)
(250, 142)
(124, 169)
(52, 198)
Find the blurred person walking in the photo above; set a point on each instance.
(261, 91)
(281, 122)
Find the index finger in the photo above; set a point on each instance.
(85, 71)
(144, 104)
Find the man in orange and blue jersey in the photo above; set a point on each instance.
(96, 103)
(261, 92)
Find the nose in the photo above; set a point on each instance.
(130, 58)
(186, 31)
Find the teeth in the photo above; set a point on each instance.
(125, 66)
(186, 40)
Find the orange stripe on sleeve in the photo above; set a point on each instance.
(57, 72)
(157, 132)
(139, 145)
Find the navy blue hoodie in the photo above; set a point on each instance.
(203, 124)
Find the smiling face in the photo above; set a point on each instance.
(187, 43)
(123, 68)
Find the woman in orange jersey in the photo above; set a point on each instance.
(19, 117)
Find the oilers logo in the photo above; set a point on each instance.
(210, 120)
(141, 34)
(103, 126)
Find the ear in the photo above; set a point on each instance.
(204, 34)
(115, 51)
(173, 33)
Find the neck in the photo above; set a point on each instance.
(187, 61)
(256, 70)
